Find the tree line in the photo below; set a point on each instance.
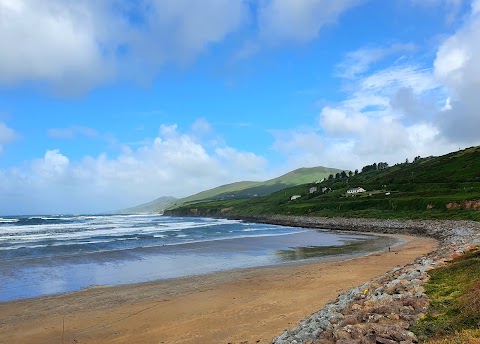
(375, 167)
(367, 168)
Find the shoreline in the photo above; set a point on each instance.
(383, 309)
(149, 304)
(399, 240)
(57, 276)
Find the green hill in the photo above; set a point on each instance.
(238, 190)
(435, 187)
(154, 206)
(246, 189)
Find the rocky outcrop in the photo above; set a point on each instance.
(382, 310)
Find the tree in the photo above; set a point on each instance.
(382, 165)
(356, 171)
(337, 175)
(368, 168)
(375, 167)
(343, 174)
(350, 173)
(330, 177)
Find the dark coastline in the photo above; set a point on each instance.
(422, 228)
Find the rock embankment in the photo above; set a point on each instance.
(382, 310)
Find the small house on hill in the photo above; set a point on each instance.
(294, 197)
(356, 190)
(313, 189)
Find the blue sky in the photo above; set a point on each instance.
(108, 104)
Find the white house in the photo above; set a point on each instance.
(313, 189)
(354, 191)
(294, 197)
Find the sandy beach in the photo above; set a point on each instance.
(239, 306)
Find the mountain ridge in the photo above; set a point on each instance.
(155, 206)
(240, 190)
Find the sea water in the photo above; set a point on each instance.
(44, 255)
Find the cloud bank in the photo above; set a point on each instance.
(72, 46)
(173, 163)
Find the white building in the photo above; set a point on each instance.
(294, 197)
(313, 189)
(354, 191)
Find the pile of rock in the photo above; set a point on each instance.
(382, 311)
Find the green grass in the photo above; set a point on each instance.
(454, 293)
(224, 189)
(304, 176)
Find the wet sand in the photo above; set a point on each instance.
(238, 306)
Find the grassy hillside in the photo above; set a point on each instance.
(242, 190)
(303, 176)
(154, 206)
(220, 190)
(435, 187)
(238, 190)
(454, 312)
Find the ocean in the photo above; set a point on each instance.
(45, 255)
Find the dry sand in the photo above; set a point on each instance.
(240, 306)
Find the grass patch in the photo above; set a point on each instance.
(462, 337)
(454, 293)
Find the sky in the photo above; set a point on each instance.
(109, 104)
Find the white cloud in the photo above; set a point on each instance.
(475, 7)
(298, 20)
(456, 65)
(410, 106)
(53, 165)
(301, 147)
(7, 135)
(173, 163)
(51, 41)
(383, 139)
(389, 115)
(244, 161)
(406, 109)
(335, 121)
(386, 115)
(201, 127)
(73, 46)
(285, 22)
(382, 82)
(359, 61)
(179, 30)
